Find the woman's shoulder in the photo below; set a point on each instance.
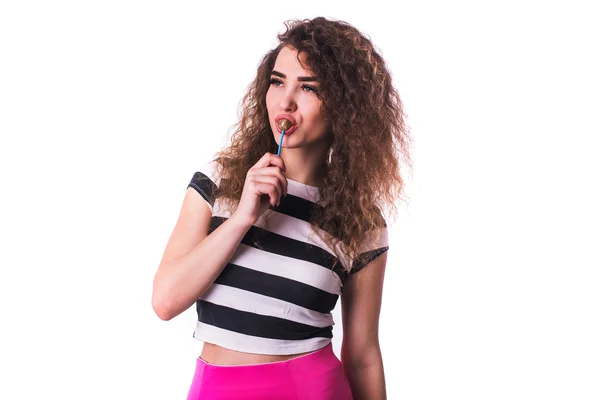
(207, 179)
(211, 170)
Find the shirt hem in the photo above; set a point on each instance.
(278, 351)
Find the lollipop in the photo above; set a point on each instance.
(284, 125)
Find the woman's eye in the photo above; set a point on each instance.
(310, 88)
(275, 81)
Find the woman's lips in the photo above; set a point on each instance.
(289, 118)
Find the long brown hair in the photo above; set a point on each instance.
(369, 133)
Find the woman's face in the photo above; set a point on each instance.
(293, 93)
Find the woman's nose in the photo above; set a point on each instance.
(288, 102)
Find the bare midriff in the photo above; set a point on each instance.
(217, 355)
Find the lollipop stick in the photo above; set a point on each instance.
(280, 142)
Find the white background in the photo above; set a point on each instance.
(107, 108)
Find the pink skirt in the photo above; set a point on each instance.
(315, 376)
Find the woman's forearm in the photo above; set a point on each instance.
(367, 380)
(180, 282)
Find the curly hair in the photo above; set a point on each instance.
(369, 133)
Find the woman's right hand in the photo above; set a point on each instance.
(264, 186)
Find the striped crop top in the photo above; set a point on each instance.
(275, 298)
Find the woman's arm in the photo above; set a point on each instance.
(193, 259)
(360, 354)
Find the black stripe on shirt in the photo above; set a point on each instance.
(257, 325)
(285, 246)
(278, 287)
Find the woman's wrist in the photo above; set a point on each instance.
(241, 221)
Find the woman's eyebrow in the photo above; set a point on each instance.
(300, 78)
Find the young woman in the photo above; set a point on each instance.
(265, 244)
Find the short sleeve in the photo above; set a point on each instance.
(206, 182)
(372, 251)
